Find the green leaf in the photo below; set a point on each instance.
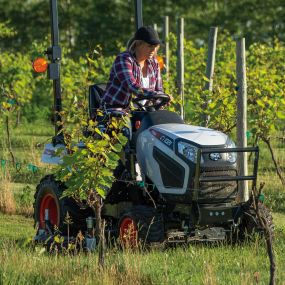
(117, 147)
(257, 91)
(206, 78)
(107, 137)
(90, 60)
(101, 191)
(113, 156)
(68, 160)
(58, 239)
(98, 131)
(122, 139)
(260, 103)
(106, 171)
(102, 143)
(105, 182)
(280, 115)
(212, 105)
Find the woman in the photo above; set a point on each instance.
(135, 71)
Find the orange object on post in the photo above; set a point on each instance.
(160, 61)
(40, 65)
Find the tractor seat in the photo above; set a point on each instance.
(96, 92)
(116, 112)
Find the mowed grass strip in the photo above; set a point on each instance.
(193, 264)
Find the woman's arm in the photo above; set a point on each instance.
(123, 68)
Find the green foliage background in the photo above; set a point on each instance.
(32, 93)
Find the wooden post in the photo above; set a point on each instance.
(166, 44)
(138, 13)
(155, 27)
(210, 68)
(180, 63)
(243, 194)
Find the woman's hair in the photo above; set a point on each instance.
(132, 44)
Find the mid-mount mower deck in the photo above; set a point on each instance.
(177, 182)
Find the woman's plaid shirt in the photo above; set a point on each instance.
(126, 79)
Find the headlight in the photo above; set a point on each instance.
(231, 156)
(188, 151)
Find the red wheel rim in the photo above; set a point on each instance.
(49, 202)
(128, 232)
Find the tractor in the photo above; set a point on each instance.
(186, 178)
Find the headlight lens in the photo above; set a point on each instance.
(188, 151)
(231, 156)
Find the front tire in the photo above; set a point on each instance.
(140, 225)
(251, 223)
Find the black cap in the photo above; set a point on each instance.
(148, 35)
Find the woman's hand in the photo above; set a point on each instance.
(168, 103)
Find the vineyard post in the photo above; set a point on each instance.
(166, 44)
(138, 14)
(155, 27)
(210, 69)
(243, 194)
(180, 64)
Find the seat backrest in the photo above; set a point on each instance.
(96, 92)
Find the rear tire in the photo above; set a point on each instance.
(251, 223)
(140, 225)
(48, 196)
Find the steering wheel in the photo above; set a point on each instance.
(157, 100)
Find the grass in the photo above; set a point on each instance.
(23, 136)
(15, 227)
(193, 264)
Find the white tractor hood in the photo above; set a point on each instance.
(198, 135)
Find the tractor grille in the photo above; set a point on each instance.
(172, 173)
(220, 190)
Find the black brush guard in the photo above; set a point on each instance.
(229, 211)
(198, 179)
